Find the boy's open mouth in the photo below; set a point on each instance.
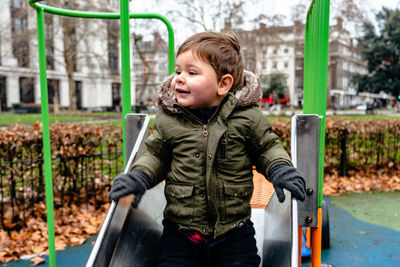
(181, 91)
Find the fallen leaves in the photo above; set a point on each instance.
(360, 181)
(37, 261)
(73, 225)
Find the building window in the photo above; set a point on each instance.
(345, 82)
(78, 94)
(70, 43)
(49, 40)
(19, 30)
(26, 90)
(113, 40)
(162, 66)
(299, 82)
(116, 94)
(263, 65)
(53, 90)
(286, 50)
(286, 64)
(299, 63)
(274, 65)
(17, 3)
(275, 51)
(3, 94)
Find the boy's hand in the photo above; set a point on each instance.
(284, 176)
(135, 182)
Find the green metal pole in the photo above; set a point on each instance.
(124, 17)
(316, 73)
(125, 68)
(46, 138)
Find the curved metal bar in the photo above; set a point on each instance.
(43, 8)
(110, 15)
(73, 13)
(171, 38)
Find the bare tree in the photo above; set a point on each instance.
(77, 47)
(220, 15)
(147, 68)
(299, 12)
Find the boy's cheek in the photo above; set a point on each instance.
(173, 84)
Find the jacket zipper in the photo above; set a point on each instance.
(205, 134)
(224, 145)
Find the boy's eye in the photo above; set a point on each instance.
(177, 72)
(192, 72)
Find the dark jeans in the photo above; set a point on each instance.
(238, 248)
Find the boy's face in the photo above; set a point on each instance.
(195, 83)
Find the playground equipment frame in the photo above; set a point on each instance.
(124, 17)
(315, 83)
(315, 93)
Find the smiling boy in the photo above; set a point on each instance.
(206, 137)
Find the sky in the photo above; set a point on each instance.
(270, 7)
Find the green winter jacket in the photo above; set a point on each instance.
(208, 167)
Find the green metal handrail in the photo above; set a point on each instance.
(316, 73)
(124, 17)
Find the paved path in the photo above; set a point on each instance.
(353, 242)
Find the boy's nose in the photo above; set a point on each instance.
(180, 78)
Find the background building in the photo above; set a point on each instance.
(345, 61)
(150, 65)
(83, 57)
(280, 49)
(269, 50)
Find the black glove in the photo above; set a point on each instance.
(135, 182)
(284, 176)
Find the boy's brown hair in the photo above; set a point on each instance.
(221, 51)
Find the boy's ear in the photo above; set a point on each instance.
(225, 84)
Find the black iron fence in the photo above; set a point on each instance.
(78, 179)
(85, 160)
(371, 146)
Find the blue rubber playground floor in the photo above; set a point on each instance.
(353, 243)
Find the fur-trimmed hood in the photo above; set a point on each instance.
(250, 94)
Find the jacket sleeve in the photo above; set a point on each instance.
(156, 158)
(265, 147)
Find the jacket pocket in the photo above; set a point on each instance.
(179, 202)
(237, 201)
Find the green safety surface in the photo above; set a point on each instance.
(380, 208)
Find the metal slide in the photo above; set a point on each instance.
(129, 235)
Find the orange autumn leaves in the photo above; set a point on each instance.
(361, 181)
(73, 225)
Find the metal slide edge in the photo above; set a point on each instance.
(295, 228)
(114, 205)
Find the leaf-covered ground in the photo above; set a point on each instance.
(361, 181)
(73, 225)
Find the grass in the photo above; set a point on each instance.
(12, 118)
(114, 118)
(362, 117)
